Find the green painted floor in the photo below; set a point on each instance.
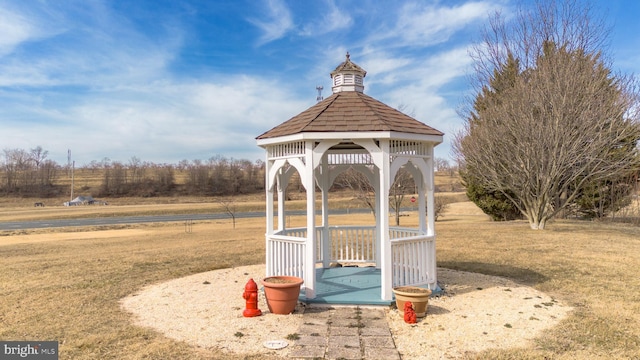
(347, 286)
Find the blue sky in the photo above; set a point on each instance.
(167, 80)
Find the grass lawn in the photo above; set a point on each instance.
(66, 286)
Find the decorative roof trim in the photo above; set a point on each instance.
(348, 136)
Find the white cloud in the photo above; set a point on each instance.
(190, 119)
(431, 25)
(14, 29)
(19, 27)
(417, 73)
(335, 19)
(423, 25)
(97, 66)
(278, 24)
(383, 67)
(90, 46)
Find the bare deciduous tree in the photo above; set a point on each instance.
(229, 206)
(440, 205)
(364, 191)
(38, 155)
(136, 170)
(359, 184)
(441, 164)
(563, 121)
(402, 185)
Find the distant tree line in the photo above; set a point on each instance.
(30, 174)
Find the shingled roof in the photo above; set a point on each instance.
(350, 111)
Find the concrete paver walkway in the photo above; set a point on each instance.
(344, 333)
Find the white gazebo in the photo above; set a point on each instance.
(350, 129)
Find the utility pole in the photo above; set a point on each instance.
(71, 165)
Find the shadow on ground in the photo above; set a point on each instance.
(520, 275)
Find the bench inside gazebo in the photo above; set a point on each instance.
(350, 130)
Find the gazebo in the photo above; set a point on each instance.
(350, 130)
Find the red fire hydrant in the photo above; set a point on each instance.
(409, 313)
(251, 295)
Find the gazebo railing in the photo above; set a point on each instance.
(286, 254)
(413, 252)
(351, 244)
(413, 258)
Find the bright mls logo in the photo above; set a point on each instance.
(33, 350)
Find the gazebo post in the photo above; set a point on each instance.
(422, 205)
(430, 196)
(324, 187)
(310, 246)
(433, 284)
(386, 265)
(282, 186)
(269, 218)
(379, 237)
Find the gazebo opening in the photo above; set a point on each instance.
(350, 131)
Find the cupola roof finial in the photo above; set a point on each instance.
(348, 76)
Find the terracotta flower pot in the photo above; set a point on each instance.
(418, 296)
(282, 293)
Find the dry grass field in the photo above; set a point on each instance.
(66, 284)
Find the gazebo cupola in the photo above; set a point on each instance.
(350, 130)
(348, 77)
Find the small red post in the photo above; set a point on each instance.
(251, 296)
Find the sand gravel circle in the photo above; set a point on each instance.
(476, 312)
